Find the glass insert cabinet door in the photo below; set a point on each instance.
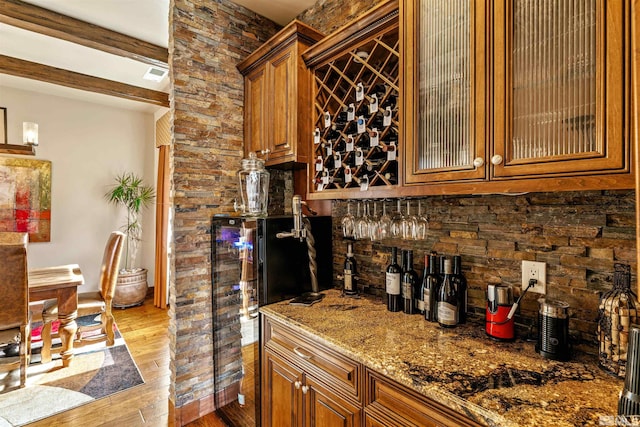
(559, 80)
(444, 88)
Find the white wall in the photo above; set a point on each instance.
(87, 144)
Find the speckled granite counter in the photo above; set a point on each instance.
(498, 384)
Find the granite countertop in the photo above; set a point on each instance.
(493, 383)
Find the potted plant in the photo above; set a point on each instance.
(130, 192)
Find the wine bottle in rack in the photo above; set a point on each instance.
(377, 121)
(374, 164)
(390, 102)
(362, 141)
(341, 118)
(390, 172)
(378, 153)
(339, 145)
(327, 148)
(351, 128)
(392, 282)
(333, 132)
(380, 90)
(363, 110)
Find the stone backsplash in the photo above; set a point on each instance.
(579, 235)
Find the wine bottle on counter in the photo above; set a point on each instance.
(350, 273)
(392, 282)
(409, 284)
(441, 259)
(430, 287)
(460, 283)
(447, 303)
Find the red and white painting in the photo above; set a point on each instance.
(25, 197)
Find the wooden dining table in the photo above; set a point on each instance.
(59, 282)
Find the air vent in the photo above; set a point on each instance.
(155, 74)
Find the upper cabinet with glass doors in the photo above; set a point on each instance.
(561, 87)
(444, 89)
(510, 90)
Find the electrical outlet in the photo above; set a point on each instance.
(537, 271)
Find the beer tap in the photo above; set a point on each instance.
(302, 230)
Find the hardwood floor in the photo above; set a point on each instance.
(145, 331)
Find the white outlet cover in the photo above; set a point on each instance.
(531, 269)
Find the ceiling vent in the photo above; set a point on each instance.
(155, 74)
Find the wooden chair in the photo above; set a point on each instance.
(15, 319)
(98, 303)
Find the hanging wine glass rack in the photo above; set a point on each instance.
(356, 104)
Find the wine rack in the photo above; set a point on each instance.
(356, 104)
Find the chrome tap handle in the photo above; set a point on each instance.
(298, 229)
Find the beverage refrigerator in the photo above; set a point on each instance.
(251, 267)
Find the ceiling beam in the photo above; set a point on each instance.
(45, 73)
(37, 19)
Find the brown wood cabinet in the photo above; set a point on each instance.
(278, 97)
(388, 403)
(305, 383)
(516, 97)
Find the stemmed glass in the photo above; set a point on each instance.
(348, 223)
(408, 223)
(374, 229)
(384, 223)
(422, 225)
(362, 223)
(396, 223)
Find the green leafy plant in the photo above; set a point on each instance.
(130, 192)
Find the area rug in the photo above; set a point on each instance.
(96, 371)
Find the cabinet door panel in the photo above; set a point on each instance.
(280, 392)
(444, 90)
(255, 112)
(283, 94)
(560, 87)
(326, 409)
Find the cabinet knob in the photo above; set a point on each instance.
(297, 385)
(478, 161)
(305, 389)
(496, 159)
(265, 151)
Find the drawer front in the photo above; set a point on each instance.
(341, 373)
(388, 399)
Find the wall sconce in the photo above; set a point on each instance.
(30, 133)
(30, 138)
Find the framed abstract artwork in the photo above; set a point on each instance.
(3, 125)
(25, 197)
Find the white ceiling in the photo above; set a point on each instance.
(143, 19)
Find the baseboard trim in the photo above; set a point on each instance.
(199, 408)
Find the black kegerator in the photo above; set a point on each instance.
(252, 267)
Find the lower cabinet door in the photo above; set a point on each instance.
(281, 395)
(324, 408)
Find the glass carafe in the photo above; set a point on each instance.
(253, 180)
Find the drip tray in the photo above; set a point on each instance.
(307, 299)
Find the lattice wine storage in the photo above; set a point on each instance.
(356, 103)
